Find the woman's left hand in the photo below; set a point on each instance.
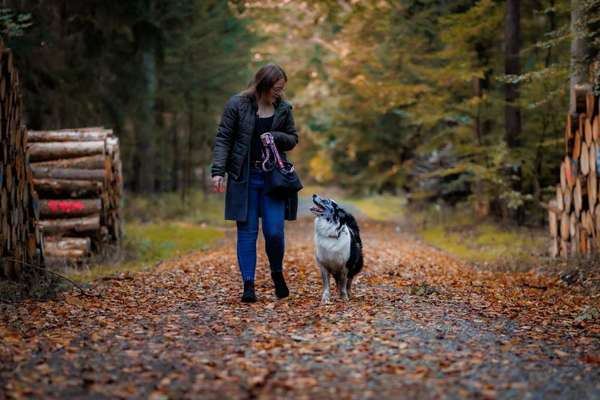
(265, 135)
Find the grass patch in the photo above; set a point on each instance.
(197, 208)
(155, 242)
(159, 227)
(483, 242)
(380, 207)
(460, 232)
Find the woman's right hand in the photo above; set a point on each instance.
(218, 184)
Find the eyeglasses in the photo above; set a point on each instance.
(278, 89)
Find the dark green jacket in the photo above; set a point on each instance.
(232, 149)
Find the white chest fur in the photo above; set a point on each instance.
(332, 247)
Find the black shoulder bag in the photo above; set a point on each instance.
(281, 179)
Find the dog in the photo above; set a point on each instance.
(338, 247)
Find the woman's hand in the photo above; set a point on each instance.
(218, 184)
(265, 135)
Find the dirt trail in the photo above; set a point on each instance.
(420, 325)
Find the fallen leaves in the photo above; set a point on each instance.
(420, 324)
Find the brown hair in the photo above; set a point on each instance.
(264, 79)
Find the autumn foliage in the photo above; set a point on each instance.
(421, 325)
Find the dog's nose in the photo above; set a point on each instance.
(314, 196)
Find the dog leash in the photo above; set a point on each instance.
(268, 148)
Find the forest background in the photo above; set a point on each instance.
(445, 102)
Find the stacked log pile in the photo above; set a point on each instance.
(77, 175)
(20, 237)
(574, 215)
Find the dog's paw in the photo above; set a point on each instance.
(325, 299)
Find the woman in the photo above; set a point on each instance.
(259, 110)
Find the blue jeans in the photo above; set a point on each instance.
(272, 213)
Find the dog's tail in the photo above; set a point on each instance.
(355, 261)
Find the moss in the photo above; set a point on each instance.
(158, 241)
(148, 243)
(380, 208)
(459, 232)
(485, 243)
(452, 243)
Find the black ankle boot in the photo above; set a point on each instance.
(249, 296)
(281, 289)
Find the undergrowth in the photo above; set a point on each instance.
(159, 227)
(484, 242)
(146, 244)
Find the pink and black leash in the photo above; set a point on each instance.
(268, 148)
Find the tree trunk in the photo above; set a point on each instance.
(71, 225)
(68, 173)
(145, 132)
(89, 162)
(579, 79)
(188, 171)
(20, 237)
(512, 38)
(67, 188)
(175, 161)
(53, 151)
(68, 243)
(69, 135)
(477, 125)
(539, 158)
(69, 208)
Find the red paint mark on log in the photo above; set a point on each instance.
(65, 206)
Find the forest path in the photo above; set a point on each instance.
(421, 325)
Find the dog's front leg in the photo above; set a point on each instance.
(325, 279)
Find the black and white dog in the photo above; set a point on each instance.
(338, 247)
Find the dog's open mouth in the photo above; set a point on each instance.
(317, 209)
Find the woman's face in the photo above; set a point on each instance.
(277, 90)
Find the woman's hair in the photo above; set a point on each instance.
(264, 79)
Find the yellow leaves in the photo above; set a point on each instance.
(321, 167)
(74, 300)
(359, 80)
(305, 382)
(44, 368)
(9, 336)
(133, 353)
(561, 353)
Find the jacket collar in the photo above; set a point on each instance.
(280, 104)
(280, 107)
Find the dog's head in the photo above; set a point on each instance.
(327, 209)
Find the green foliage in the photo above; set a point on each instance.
(480, 241)
(159, 227)
(380, 208)
(156, 71)
(149, 243)
(407, 95)
(13, 24)
(390, 96)
(160, 241)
